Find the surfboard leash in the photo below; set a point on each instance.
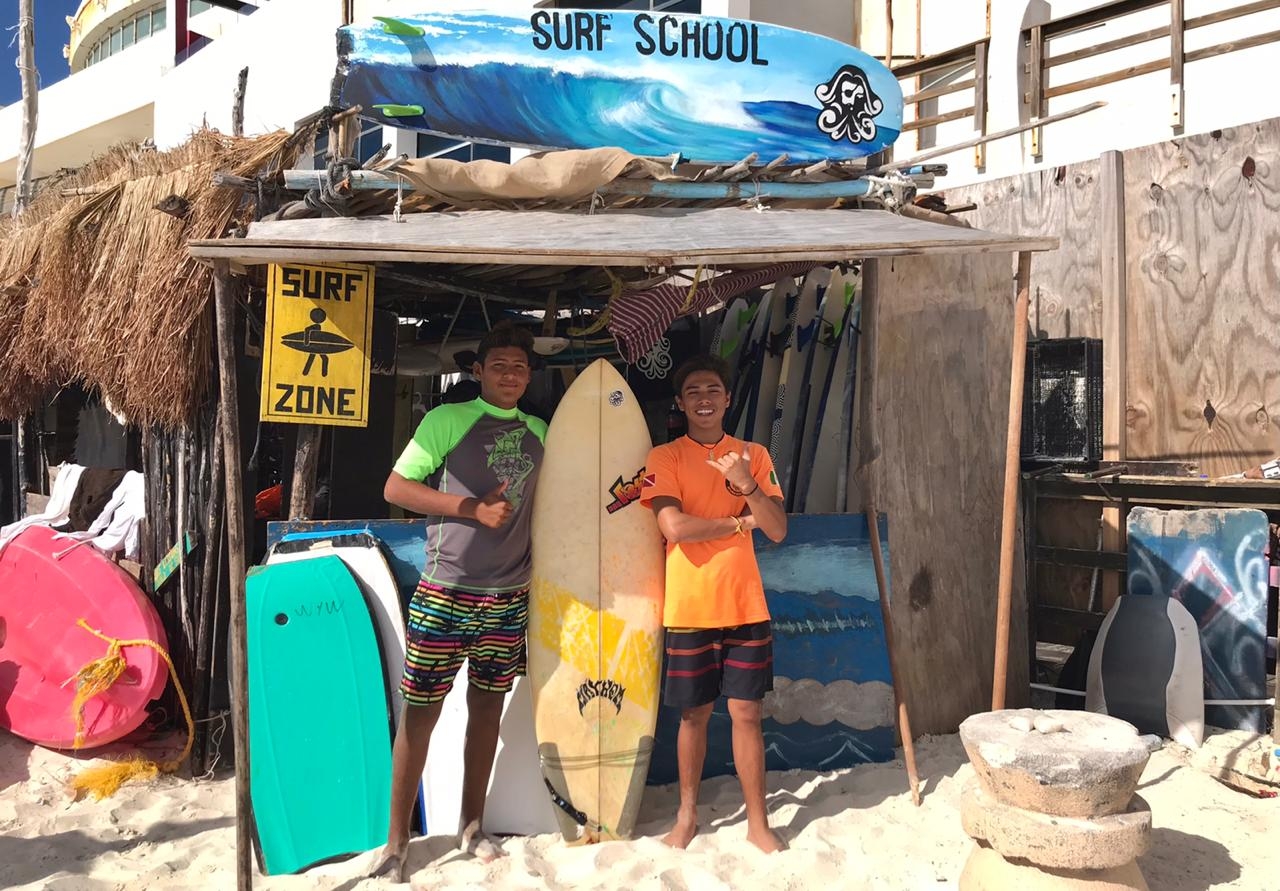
(574, 814)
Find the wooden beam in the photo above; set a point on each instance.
(888, 33)
(1102, 80)
(1012, 464)
(1105, 12)
(1177, 52)
(302, 497)
(1115, 289)
(937, 92)
(899, 697)
(237, 102)
(980, 53)
(1036, 92)
(225, 315)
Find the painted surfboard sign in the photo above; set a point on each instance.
(710, 89)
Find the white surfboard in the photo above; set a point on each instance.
(785, 292)
(362, 554)
(595, 613)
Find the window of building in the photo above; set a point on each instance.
(430, 146)
(126, 34)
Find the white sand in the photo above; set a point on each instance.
(849, 829)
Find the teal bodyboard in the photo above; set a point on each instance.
(319, 744)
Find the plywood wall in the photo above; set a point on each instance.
(1066, 298)
(1203, 239)
(936, 418)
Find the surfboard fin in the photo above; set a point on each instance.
(392, 110)
(399, 27)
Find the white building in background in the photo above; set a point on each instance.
(158, 69)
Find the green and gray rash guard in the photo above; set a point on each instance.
(469, 449)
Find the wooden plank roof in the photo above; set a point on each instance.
(667, 237)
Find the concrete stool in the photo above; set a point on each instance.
(1052, 804)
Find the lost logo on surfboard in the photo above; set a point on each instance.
(315, 367)
(625, 492)
(604, 689)
(679, 38)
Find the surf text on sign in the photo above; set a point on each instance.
(687, 38)
(319, 284)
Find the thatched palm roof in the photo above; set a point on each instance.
(97, 287)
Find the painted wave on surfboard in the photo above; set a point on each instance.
(479, 79)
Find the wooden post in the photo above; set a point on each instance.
(237, 103)
(1012, 463)
(1115, 295)
(1035, 96)
(302, 498)
(225, 313)
(899, 698)
(30, 101)
(206, 604)
(1177, 57)
(888, 33)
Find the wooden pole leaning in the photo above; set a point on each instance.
(1012, 461)
(225, 315)
(899, 698)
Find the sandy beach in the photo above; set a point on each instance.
(847, 829)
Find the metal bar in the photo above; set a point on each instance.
(970, 143)
(1113, 561)
(936, 119)
(1087, 18)
(1151, 491)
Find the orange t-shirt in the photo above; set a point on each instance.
(710, 584)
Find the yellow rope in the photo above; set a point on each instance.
(97, 677)
(693, 289)
(604, 317)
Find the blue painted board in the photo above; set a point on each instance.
(710, 89)
(829, 648)
(831, 664)
(1213, 562)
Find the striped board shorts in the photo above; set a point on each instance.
(704, 664)
(447, 626)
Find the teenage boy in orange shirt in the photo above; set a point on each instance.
(708, 491)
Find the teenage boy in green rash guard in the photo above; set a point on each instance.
(470, 469)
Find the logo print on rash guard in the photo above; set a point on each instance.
(510, 463)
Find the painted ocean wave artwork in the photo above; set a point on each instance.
(641, 82)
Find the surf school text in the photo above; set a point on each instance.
(679, 38)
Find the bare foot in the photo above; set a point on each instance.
(391, 862)
(683, 832)
(474, 842)
(766, 840)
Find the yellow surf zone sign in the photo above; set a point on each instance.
(315, 351)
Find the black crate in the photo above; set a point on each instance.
(1062, 402)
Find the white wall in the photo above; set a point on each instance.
(290, 48)
(86, 113)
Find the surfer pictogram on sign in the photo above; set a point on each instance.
(315, 366)
(317, 343)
